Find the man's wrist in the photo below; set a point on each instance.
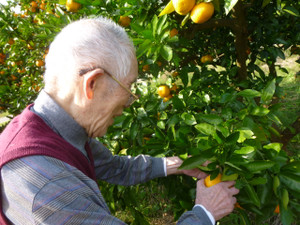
(172, 164)
(210, 216)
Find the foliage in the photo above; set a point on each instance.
(225, 111)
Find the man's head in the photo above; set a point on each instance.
(84, 63)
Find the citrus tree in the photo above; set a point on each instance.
(209, 87)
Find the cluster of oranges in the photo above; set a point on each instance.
(199, 13)
(34, 5)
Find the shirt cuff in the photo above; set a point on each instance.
(210, 216)
(165, 166)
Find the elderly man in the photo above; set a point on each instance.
(50, 160)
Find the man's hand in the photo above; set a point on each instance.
(217, 199)
(173, 163)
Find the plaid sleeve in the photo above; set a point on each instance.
(43, 190)
(125, 170)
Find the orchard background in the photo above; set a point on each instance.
(230, 95)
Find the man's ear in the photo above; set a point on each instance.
(89, 82)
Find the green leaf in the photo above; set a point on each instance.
(245, 150)
(177, 102)
(291, 181)
(133, 130)
(154, 25)
(274, 146)
(245, 134)
(259, 111)
(217, 5)
(189, 119)
(166, 52)
(212, 119)
(161, 125)
(161, 23)
(173, 120)
(268, 91)
(250, 93)
(252, 195)
(292, 166)
(229, 4)
(145, 46)
(205, 128)
(259, 165)
(232, 139)
(258, 180)
(291, 10)
(147, 34)
(186, 204)
(193, 162)
(137, 28)
(265, 2)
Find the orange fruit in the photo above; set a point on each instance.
(146, 68)
(13, 77)
(277, 209)
(29, 47)
(124, 21)
(39, 63)
(167, 98)
(174, 87)
(42, 6)
(32, 9)
(209, 183)
(175, 74)
(183, 7)
(21, 70)
(20, 62)
(2, 72)
(159, 63)
(206, 58)
(248, 51)
(2, 55)
(202, 12)
(72, 6)
(34, 4)
(173, 32)
(11, 41)
(163, 91)
(146, 138)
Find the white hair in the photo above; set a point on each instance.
(86, 44)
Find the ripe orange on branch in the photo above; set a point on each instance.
(39, 63)
(183, 7)
(146, 68)
(209, 183)
(167, 98)
(163, 91)
(173, 32)
(202, 12)
(277, 209)
(206, 58)
(124, 21)
(72, 6)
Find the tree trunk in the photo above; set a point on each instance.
(241, 39)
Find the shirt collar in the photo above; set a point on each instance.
(60, 121)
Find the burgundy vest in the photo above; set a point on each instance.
(27, 135)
